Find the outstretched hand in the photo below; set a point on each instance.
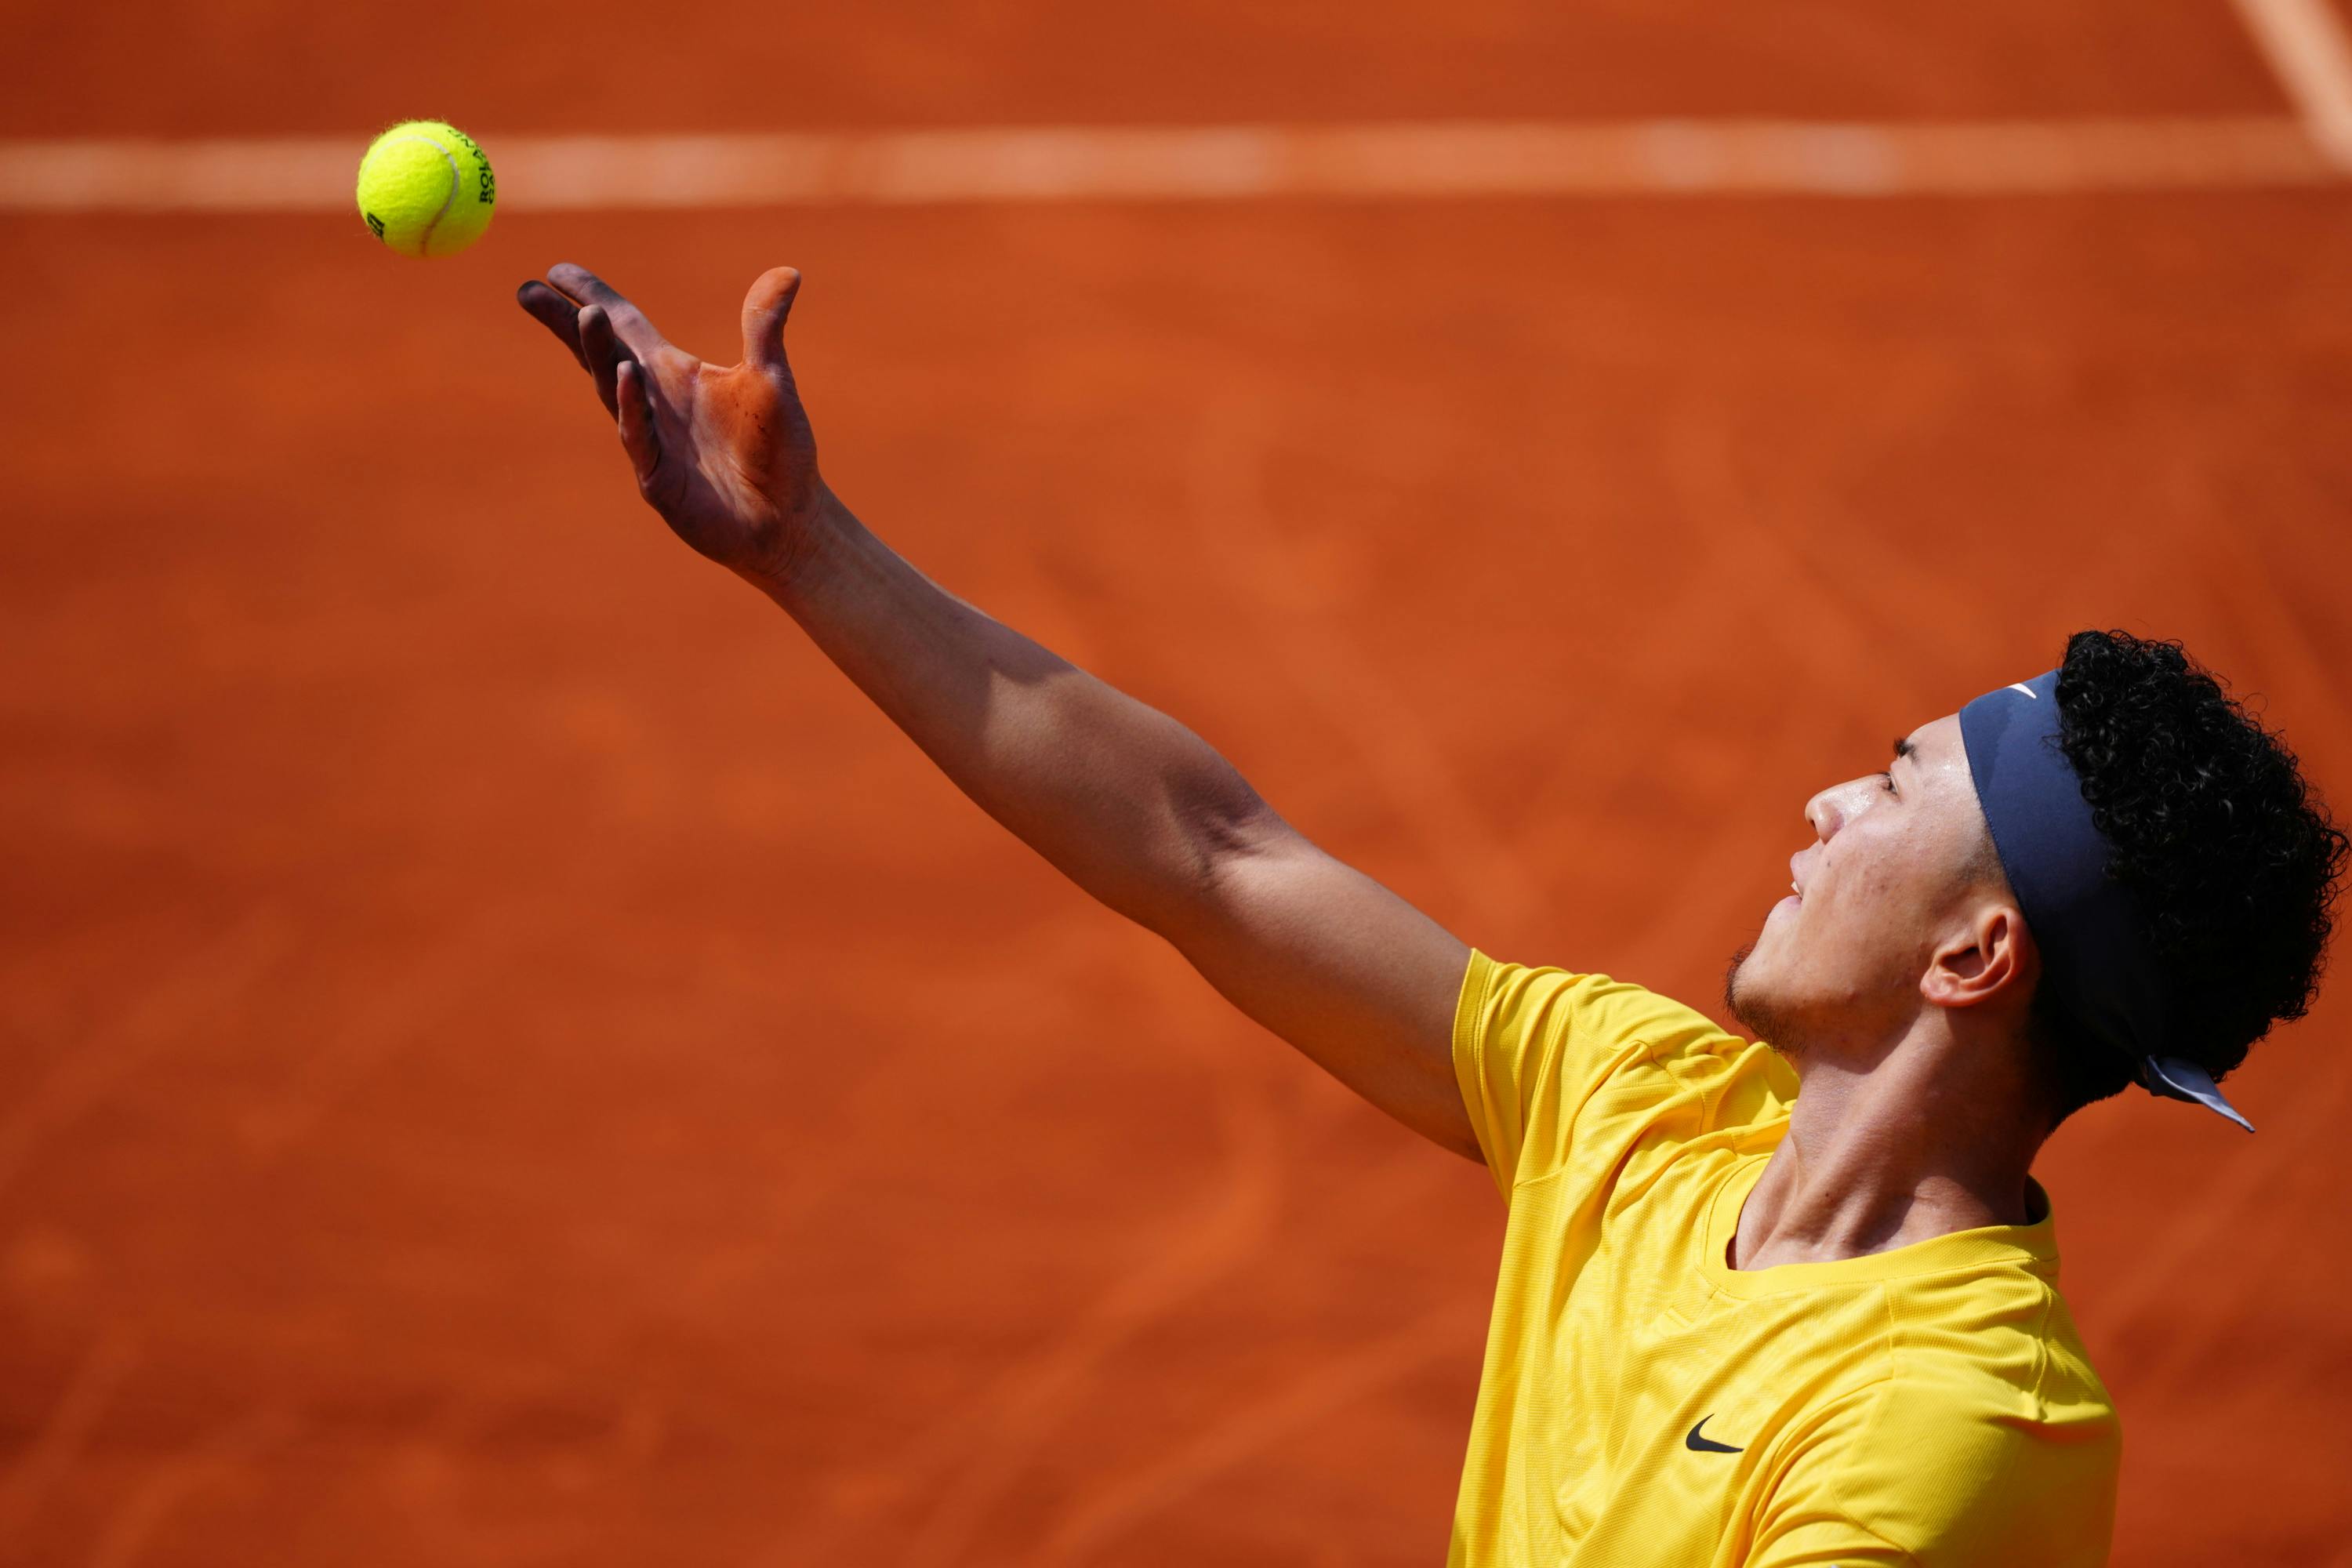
(724, 453)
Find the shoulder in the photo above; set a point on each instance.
(1599, 1032)
(1552, 1063)
(1995, 1335)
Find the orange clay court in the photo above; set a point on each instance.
(506, 1058)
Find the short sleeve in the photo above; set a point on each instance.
(1810, 1521)
(1929, 1477)
(1547, 1060)
(1828, 1540)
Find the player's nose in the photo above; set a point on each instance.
(1832, 809)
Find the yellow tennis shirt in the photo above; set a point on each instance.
(1645, 1405)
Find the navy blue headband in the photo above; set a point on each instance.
(2094, 953)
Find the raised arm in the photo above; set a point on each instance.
(1125, 801)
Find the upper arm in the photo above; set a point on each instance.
(1501, 1064)
(1828, 1540)
(1941, 1469)
(1353, 975)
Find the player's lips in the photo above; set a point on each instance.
(1795, 898)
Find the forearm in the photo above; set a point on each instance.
(1125, 801)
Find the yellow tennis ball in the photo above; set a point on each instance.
(425, 189)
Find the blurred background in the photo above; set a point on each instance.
(504, 1059)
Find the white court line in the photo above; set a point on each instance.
(1228, 163)
(2307, 46)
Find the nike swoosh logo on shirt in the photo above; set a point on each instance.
(1708, 1445)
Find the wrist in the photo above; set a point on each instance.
(802, 546)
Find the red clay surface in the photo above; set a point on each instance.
(505, 1059)
(257, 67)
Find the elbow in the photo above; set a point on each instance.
(1221, 823)
(1217, 829)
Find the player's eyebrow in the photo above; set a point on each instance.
(1902, 748)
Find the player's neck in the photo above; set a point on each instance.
(1933, 1135)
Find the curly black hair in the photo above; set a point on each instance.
(2229, 855)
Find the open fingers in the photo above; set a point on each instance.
(629, 323)
(556, 313)
(638, 438)
(602, 354)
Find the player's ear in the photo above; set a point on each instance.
(764, 310)
(1985, 957)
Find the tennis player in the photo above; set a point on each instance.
(1760, 1304)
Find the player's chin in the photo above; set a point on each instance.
(1741, 978)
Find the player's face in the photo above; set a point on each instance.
(1896, 858)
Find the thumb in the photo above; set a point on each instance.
(764, 310)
